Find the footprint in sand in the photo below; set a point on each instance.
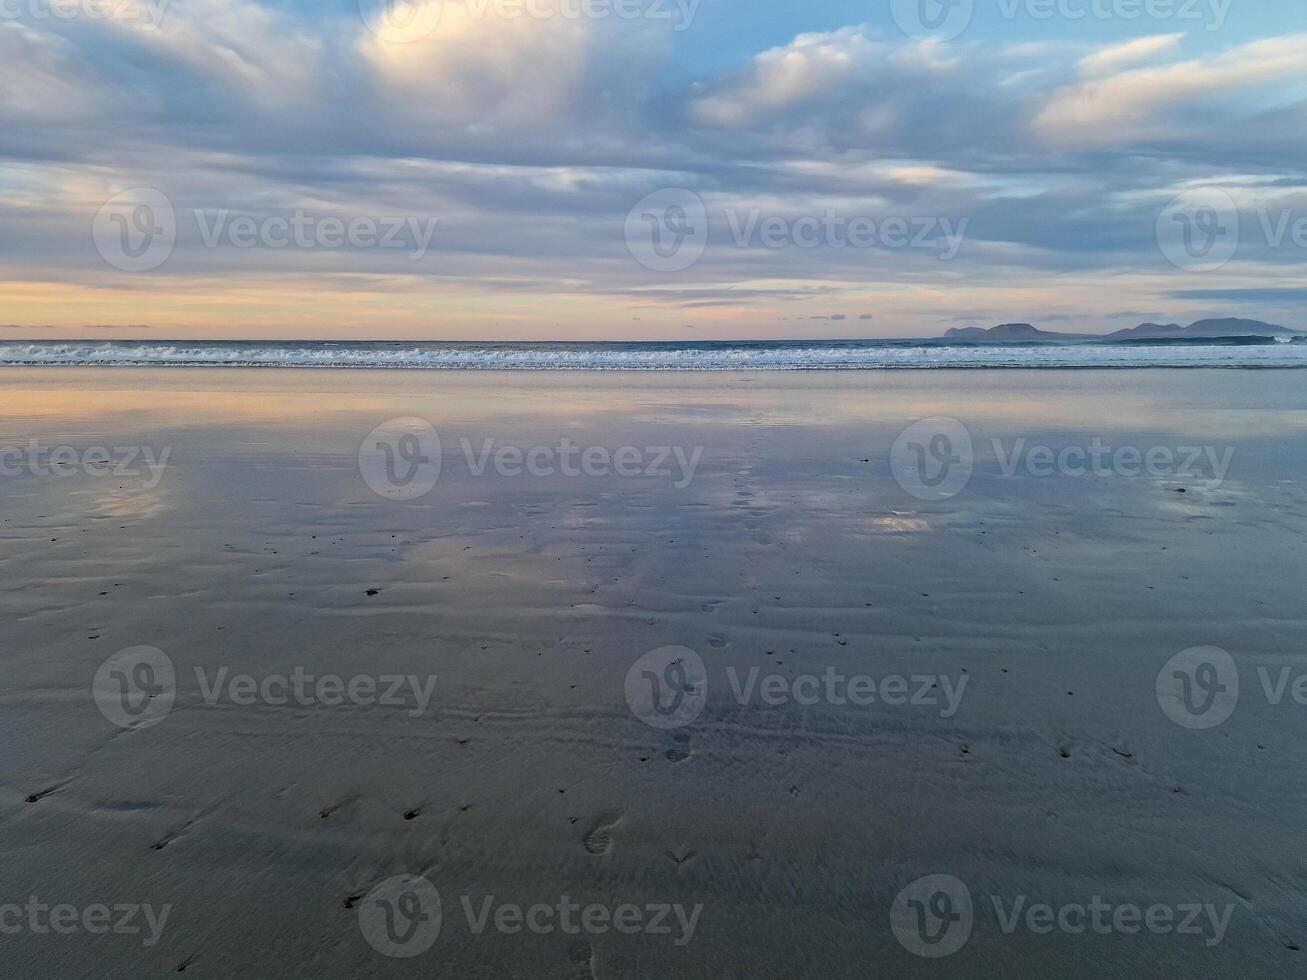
(582, 954)
(173, 835)
(327, 811)
(600, 839)
(681, 856)
(681, 750)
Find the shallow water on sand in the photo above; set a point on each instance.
(771, 538)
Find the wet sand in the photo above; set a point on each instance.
(1050, 602)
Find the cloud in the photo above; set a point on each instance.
(789, 77)
(1271, 294)
(1113, 58)
(529, 139)
(482, 70)
(1168, 102)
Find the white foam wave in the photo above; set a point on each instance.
(639, 357)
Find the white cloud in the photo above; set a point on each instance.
(1117, 56)
(783, 78)
(1142, 104)
(481, 69)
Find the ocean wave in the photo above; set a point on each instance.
(703, 356)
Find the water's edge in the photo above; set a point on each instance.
(651, 356)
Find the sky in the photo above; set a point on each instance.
(647, 169)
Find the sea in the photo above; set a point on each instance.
(786, 355)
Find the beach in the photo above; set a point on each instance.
(383, 625)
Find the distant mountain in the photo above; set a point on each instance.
(1025, 333)
(1203, 328)
(1010, 333)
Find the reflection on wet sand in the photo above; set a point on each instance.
(792, 562)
